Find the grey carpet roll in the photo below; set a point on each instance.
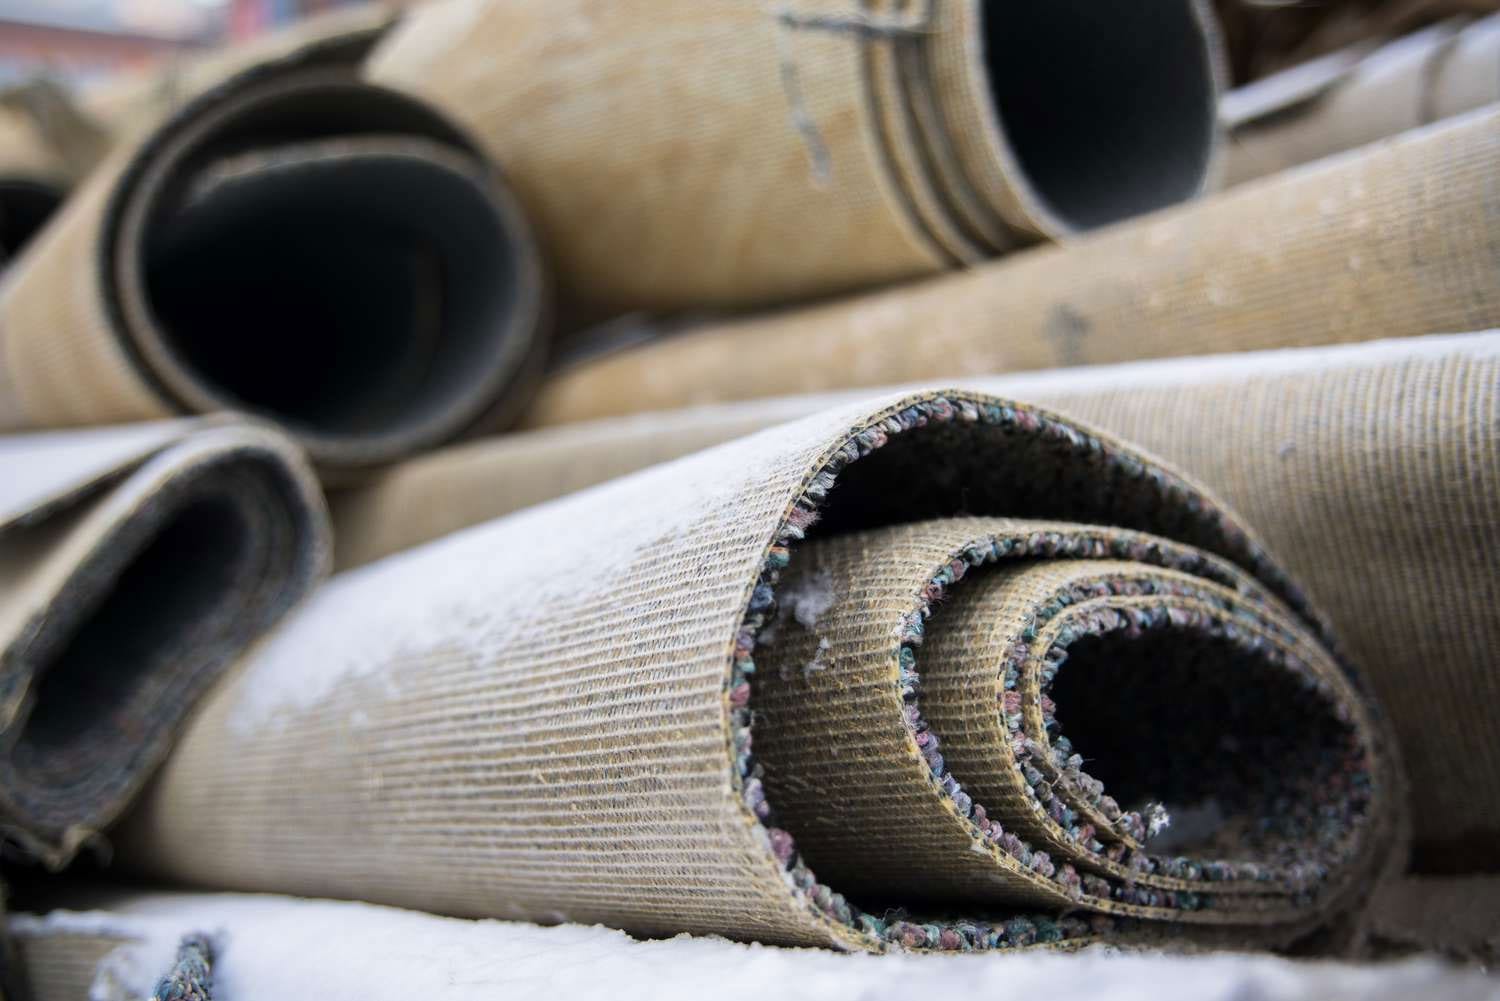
(293, 243)
(135, 565)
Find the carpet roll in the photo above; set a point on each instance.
(1394, 241)
(1352, 98)
(1372, 462)
(136, 564)
(248, 256)
(551, 716)
(731, 153)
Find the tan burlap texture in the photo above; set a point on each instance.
(1350, 99)
(135, 565)
(1359, 463)
(130, 106)
(247, 255)
(1395, 241)
(550, 716)
(729, 153)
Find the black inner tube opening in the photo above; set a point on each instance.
(25, 206)
(1207, 728)
(1108, 107)
(346, 298)
(85, 704)
(336, 257)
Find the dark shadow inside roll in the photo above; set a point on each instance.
(163, 604)
(181, 576)
(352, 293)
(1230, 743)
(1109, 108)
(333, 256)
(25, 206)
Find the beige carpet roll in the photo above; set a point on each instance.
(136, 564)
(731, 152)
(1372, 462)
(1352, 98)
(551, 716)
(249, 255)
(1398, 240)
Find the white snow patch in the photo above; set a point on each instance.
(278, 947)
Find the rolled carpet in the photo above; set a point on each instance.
(1370, 462)
(247, 256)
(1397, 240)
(733, 153)
(135, 565)
(1352, 98)
(551, 716)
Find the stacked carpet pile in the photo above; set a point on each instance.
(575, 711)
(244, 256)
(1135, 590)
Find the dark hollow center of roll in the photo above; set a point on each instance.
(25, 207)
(342, 296)
(1108, 107)
(81, 716)
(1234, 746)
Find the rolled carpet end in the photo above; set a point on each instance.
(137, 564)
(594, 710)
(293, 244)
(733, 153)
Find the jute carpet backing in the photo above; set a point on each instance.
(1353, 98)
(247, 255)
(135, 565)
(728, 153)
(551, 716)
(1394, 241)
(1368, 463)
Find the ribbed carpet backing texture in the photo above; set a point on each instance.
(1397, 240)
(136, 564)
(559, 715)
(865, 142)
(1371, 470)
(246, 255)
